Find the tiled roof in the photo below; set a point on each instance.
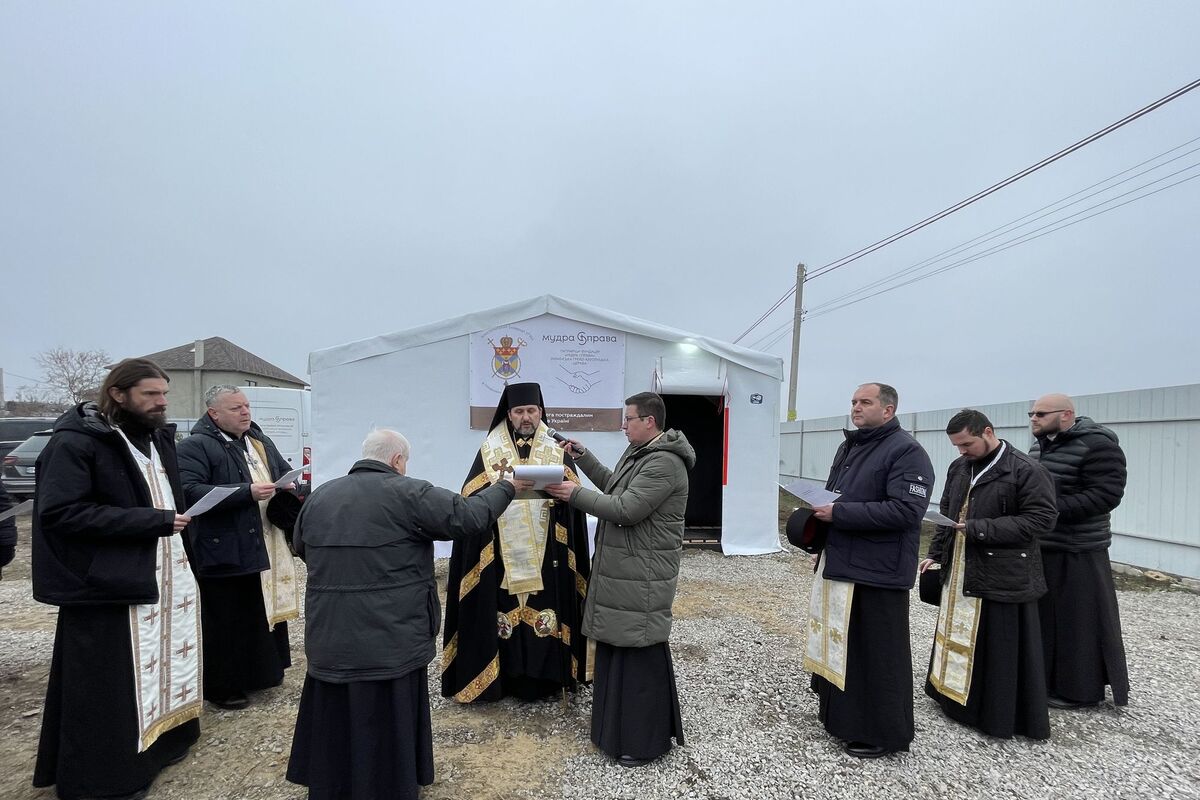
(221, 354)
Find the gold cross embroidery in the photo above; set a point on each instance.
(185, 650)
(153, 615)
(502, 467)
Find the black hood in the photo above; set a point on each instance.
(86, 418)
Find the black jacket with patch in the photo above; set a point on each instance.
(885, 480)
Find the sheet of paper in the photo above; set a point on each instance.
(209, 500)
(541, 474)
(812, 492)
(18, 510)
(933, 515)
(287, 480)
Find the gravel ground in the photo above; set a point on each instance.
(749, 719)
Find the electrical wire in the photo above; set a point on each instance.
(1026, 219)
(1024, 239)
(916, 226)
(1020, 222)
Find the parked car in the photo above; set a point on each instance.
(14, 430)
(19, 478)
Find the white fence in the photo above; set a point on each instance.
(1157, 525)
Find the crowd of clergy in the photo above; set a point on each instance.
(173, 569)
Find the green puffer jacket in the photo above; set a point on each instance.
(639, 539)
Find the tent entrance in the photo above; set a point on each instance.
(701, 418)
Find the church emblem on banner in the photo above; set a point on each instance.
(506, 363)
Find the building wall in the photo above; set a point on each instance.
(1157, 525)
(186, 400)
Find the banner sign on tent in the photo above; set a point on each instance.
(580, 367)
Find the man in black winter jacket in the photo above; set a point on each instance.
(121, 702)
(243, 565)
(371, 618)
(1081, 626)
(858, 648)
(986, 670)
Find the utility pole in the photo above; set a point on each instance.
(796, 343)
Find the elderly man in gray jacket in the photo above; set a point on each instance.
(371, 615)
(639, 538)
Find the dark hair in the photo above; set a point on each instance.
(887, 394)
(650, 405)
(969, 420)
(123, 377)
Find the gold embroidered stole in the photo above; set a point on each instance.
(281, 595)
(165, 636)
(524, 525)
(957, 626)
(828, 626)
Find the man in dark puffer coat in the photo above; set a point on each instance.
(1081, 626)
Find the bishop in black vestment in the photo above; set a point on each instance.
(514, 599)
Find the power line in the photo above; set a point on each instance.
(1023, 239)
(916, 226)
(1024, 220)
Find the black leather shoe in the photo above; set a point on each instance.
(864, 750)
(630, 761)
(1061, 702)
(177, 759)
(234, 702)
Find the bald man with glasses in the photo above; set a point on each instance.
(1081, 626)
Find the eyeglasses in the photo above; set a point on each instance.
(1040, 414)
(636, 416)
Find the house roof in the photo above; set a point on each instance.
(526, 309)
(221, 354)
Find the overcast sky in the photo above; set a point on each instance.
(293, 176)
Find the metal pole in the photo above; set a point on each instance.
(796, 343)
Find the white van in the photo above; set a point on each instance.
(286, 416)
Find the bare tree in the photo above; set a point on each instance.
(72, 375)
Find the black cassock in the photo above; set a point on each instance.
(877, 705)
(241, 652)
(481, 660)
(88, 745)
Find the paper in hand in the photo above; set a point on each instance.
(812, 492)
(542, 475)
(214, 496)
(935, 516)
(287, 480)
(18, 510)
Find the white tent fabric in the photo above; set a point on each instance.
(416, 381)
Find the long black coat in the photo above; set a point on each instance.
(95, 528)
(226, 540)
(1012, 506)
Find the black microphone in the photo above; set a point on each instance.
(564, 441)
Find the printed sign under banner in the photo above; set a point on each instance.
(580, 367)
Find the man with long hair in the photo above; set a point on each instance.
(124, 691)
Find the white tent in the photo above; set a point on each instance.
(425, 381)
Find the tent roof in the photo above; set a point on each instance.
(526, 309)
